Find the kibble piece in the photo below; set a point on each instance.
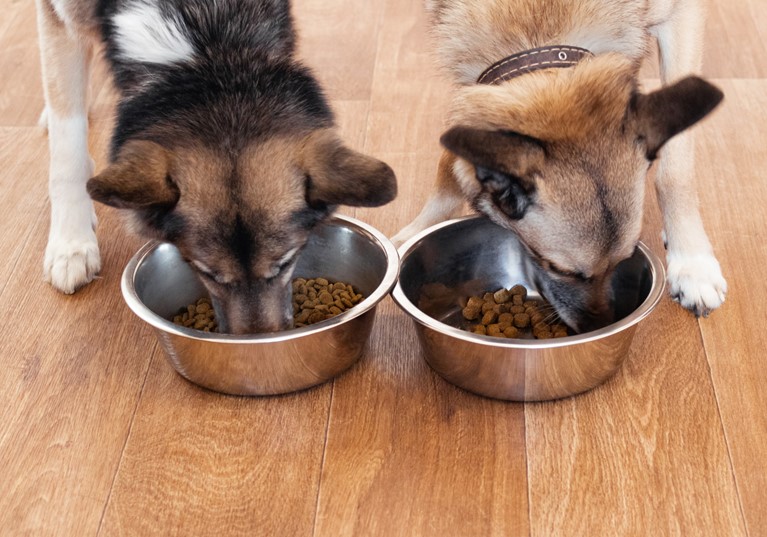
(511, 332)
(494, 330)
(480, 329)
(314, 300)
(521, 320)
(471, 313)
(475, 302)
(520, 290)
(489, 317)
(501, 296)
(516, 316)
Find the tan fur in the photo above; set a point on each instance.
(585, 211)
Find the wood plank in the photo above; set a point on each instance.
(21, 97)
(339, 45)
(731, 183)
(202, 463)
(631, 454)
(426, 458)
(70, 383)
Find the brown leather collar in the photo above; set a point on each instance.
(532, 60)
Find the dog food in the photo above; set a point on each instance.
(314, 300)
(507, 313)
(318, 299)
(199, 316)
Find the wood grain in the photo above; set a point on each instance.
(732, 162)
(99, 436)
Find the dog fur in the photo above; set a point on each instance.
(560, 156)
(224, 145)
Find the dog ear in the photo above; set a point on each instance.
(668, 111)
(337, 175)
(504, 163)
(137, 179)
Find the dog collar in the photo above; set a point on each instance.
(532, 60)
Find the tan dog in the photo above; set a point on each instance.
(559, 153)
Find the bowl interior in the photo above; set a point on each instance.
(337, 249)
(472, 256)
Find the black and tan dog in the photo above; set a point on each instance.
(224, 145)
(550, 137)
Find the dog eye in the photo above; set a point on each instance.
(284, 262)
(207, 273)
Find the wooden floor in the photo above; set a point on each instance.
(99, 436)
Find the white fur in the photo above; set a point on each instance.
(696, 281)
(144, 35)
(441, 206)
(72, 255)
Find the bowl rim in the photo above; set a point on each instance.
(368, 303)
(644, 309)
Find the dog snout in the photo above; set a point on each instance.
(589, 321)
(253, 314)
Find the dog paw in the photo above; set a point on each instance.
(696, 282)
(71, 264)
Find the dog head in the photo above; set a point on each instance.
(560, 157)
(237, 184)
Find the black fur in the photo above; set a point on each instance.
(243, 82)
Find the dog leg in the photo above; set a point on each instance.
(72, 254)
(694, 275)
(446, 202)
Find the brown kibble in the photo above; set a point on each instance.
(494, 330)
(501, 296)
(489, 318)
(475, 302)
(506, 318)
(316, 317)
(488, 306)
(530, 304)
(303, 316)
(518, 290)
(521, 320)
(517, 309)
(471, 313)
(511, 332)
(313, 301)
(480, 329)
(504, 326)
(517, 300)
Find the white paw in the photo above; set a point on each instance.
(696, 282)
(71, 264)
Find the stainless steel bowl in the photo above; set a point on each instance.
(445, 264)
(157, 283)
